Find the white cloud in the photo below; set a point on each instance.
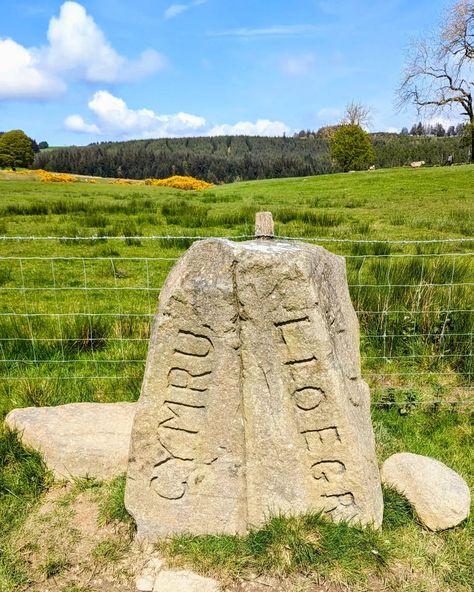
(262, 127)
(77, 48)
(174, 10)
(78, 45)
(298, 65)
(21, 75)
(177, 9)
(75, 123)
(114, 118)
(285, 30)
(392, 130)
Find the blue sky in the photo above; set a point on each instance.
(80, 72)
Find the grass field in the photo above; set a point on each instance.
(75, 318)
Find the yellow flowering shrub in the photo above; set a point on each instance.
(179, 182)
(55, 177)
(126, 182)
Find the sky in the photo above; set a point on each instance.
(99, 70)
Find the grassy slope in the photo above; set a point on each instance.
(394, 204)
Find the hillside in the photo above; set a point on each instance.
(226, 159)
(74, 326)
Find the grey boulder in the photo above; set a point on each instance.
(78, 439)
(439, 496)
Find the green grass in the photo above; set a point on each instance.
(110, 550)
(285, 545)
(112, 505)
(23, 478)
(412, 349)
(407, 335)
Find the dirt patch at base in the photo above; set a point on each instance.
(65, 546)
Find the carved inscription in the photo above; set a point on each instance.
(329, 470)
(183, 414)
(323, 442)
(319, 439)
(338, 502)
(308, 398)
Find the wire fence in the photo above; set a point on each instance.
(80, 323)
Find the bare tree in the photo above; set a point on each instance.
(458, 30)
(356, 114)
(439, 69)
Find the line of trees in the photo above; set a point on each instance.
(417, 129)
(436, 129)
(229, 158)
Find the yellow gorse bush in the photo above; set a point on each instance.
(126, 182)
(55, 177)
(179, 182)
(176, 181)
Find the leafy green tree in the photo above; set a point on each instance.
(5, 160)
(351, 148)
(16, 149)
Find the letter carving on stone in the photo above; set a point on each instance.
(252, 402)
(322, 442)
(182, 415)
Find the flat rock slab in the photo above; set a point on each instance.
(79, 439)
(184, 581)
(439, 496)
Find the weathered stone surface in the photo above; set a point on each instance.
(184, 581)
(79, 439)
(264, 226)
(252, 401)
(438, 494)
(145, 582)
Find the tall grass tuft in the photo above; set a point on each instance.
(112, 506)
(185, 213)
(23, 478)
(312, 217)
(284, 545)
(412, 305)
(85, 334)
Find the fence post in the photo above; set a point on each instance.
(264, 227)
